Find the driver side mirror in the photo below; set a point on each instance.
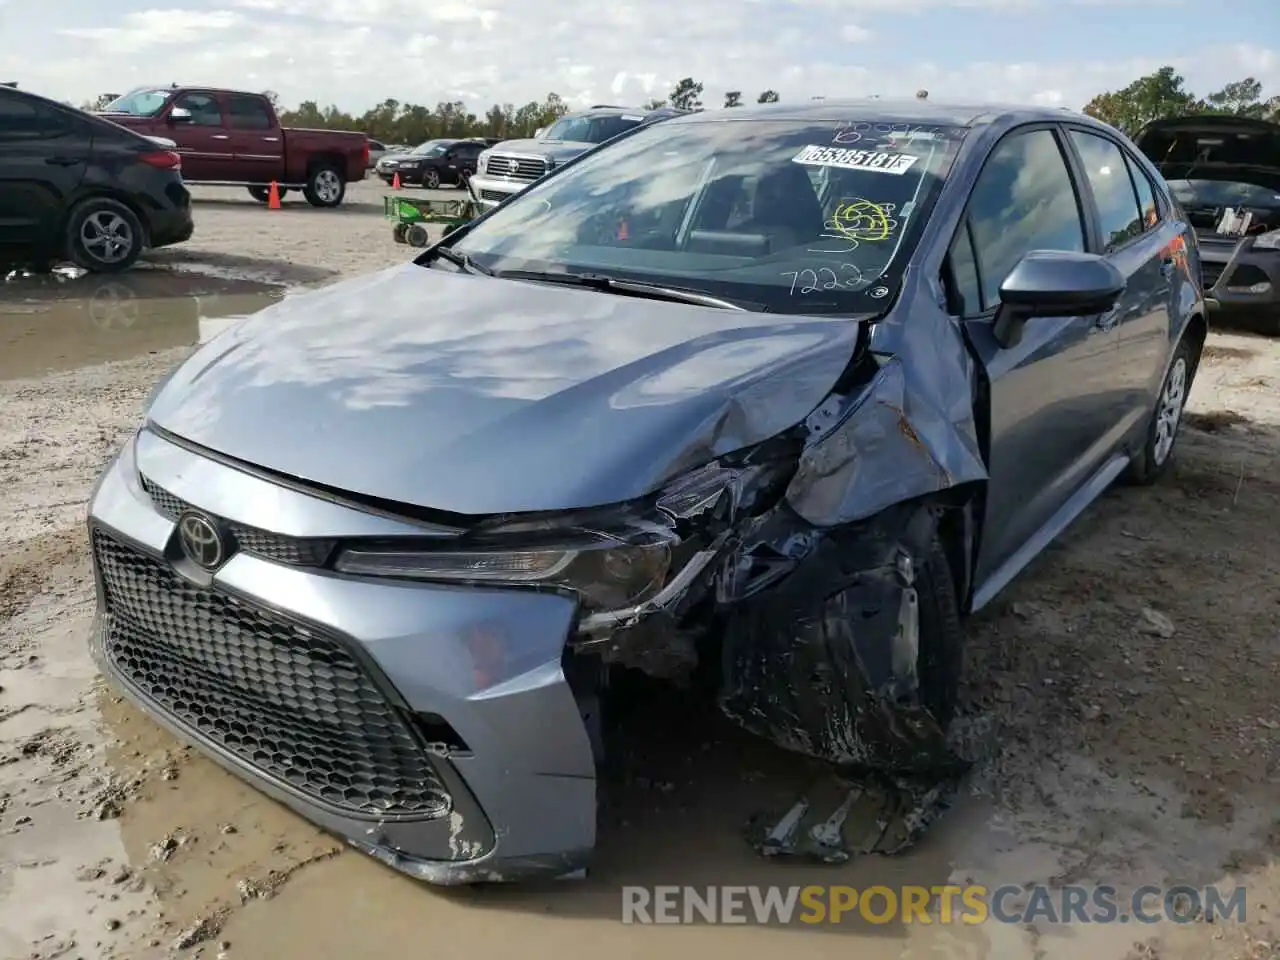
(179, 115)
(1054, 283)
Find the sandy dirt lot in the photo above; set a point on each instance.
(1127, 682)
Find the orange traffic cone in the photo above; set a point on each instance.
(395, 182)
(273, 196)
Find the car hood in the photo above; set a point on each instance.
(561, 151)
(1170, 144)
(474, 395)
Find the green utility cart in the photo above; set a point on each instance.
(410, 215)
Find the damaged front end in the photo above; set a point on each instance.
(805, 569)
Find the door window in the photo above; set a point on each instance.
(1108, 174)
(248, 113)
(203, 108)
(1146, 195)
(20, 119)
(1023, 200)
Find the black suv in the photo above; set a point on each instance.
(78, 187)
(434, 163)
(511, 166)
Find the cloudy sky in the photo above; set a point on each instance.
(357, 52)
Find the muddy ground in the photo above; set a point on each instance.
(1129, 681)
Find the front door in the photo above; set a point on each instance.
(44, 154)
(203, 140)
(1132, 235)
(255, 139)
(1048, 398)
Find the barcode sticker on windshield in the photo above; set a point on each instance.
(848, 159)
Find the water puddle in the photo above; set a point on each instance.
(63, 321)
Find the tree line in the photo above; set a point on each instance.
(1159, 94)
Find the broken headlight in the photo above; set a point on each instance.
(614, 559)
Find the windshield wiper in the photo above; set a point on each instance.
(638, 288)
(459, 260)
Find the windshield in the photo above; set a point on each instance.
(794, 216)
(1224, 193)
(140, 103)
(432, 148)
(590, 129)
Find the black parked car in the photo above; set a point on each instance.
(78, 187)
(433, 164)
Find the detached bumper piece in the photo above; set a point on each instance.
(293, 703)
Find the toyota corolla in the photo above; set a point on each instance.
(780, 395)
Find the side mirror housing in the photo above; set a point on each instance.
(179, 115)
(1054, 283)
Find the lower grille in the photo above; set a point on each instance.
(495, 195)
(292, 702)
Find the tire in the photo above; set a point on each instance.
(263, 194)
(813, 614)
(416, 235)
(104, 236)
(398, 232)
(325, 186)
(1153, 460)
(431, 180)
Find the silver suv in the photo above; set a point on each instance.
(509, 167)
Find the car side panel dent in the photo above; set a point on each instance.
(908, 433)
(821, 651)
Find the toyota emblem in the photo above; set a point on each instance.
(201, 541)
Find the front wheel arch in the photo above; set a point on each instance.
(818, 663)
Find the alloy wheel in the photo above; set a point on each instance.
(1169, 412)
(106, 236)
(327, 186)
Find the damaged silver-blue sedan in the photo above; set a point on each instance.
(780, 392)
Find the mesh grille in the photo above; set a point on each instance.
(298, 551)
(292, 702)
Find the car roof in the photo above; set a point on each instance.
(607, 112)
(875, 109)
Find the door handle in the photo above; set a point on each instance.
(63, 161)
(271, 139)
(218, 136)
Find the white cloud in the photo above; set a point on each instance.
(355, 53)
(156, 27)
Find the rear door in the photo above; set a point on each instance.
(464, 159)
(1048, 394)
(44, 154)
(256, 141)
(1134, 237)
(204, 140)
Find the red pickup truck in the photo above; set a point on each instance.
(231, 138)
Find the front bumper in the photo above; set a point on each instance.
(1240, 277)
(491, 191)
(405, 660)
